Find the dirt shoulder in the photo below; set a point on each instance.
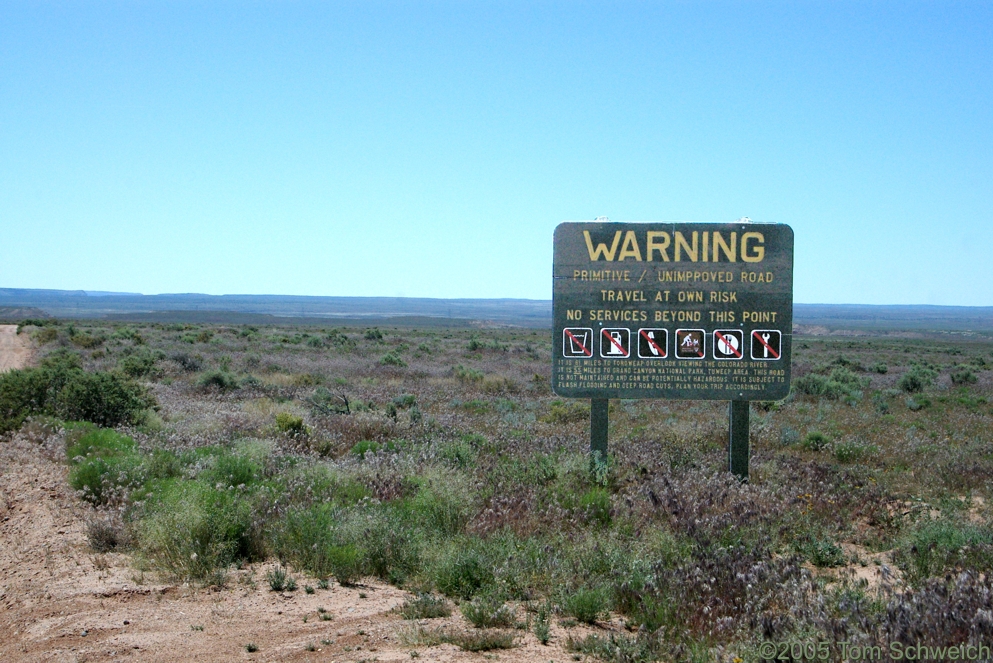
(60, 601)
(15, 351)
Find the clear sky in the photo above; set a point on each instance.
(430, 148)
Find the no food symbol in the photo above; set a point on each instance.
(728, 343)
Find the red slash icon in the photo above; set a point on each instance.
(728, 344)
(579, 344)
(652, 342)
(764, 340)
(615, 342)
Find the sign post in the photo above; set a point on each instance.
(673, 311)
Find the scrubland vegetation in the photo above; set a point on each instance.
(441, 462)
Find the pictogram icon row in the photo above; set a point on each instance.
(653, 343)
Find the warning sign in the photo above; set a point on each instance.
(690, 344)
(577, 342)
(728, 344)
(653, 343)
(672, 310)
(615, 343)
(767, 344)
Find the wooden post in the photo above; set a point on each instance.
(738, 439)
(598, 426)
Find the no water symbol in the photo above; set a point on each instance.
(577, 342)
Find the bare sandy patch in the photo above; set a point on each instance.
(15, 350)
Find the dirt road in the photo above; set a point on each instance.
(15, 351)
(61, 601)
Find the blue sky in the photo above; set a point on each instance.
(430, 148)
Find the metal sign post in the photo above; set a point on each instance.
(674, 311)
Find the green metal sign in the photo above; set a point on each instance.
(672, 310)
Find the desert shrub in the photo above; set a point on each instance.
(458, 453)
(938, 546)
(362, 447)
(789, 436)
(311, 538)
(917, 378)
(816, 441)
(879, 367)
(102, 398)
(841, 384)
(392, 358)
(467, 374)
(425, 606)
(462, 572)
(585, 605)
(563, 412)
(86, 341)
(194, 532)
(290, 424)
(476, 640)
(37, 322)
(45, 335)
(373, 334)
(405, 401)
(595, 505)
(822, 552)
(393, 548)
(499, 384)
(60, 388)
(963, 375)
(277, 578)
(917, 402)
(851, 451)
(139, 364)
(487, 612)
(439, 506)
(189, 363)
(345, 562)
(232, 467)
(220, 380)
(619, 648)
(106, 531)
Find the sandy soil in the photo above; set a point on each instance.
(60, 601)
(15, 351)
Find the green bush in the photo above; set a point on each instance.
(917, 378)
(585, 605)
(465, 374)
(290, 424)
(487, 612)
(60, 388)
(463, 572)
(935, 547)
(841, 384)
(218, 380)
(194, 532)
(373, 334)
(139, 364)
(963, 375)
(345, 563)
(823, 552)
(816, 441)
(560, 412)
(392, 358)
(852, 451)
(425, 606)
(595, 505)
